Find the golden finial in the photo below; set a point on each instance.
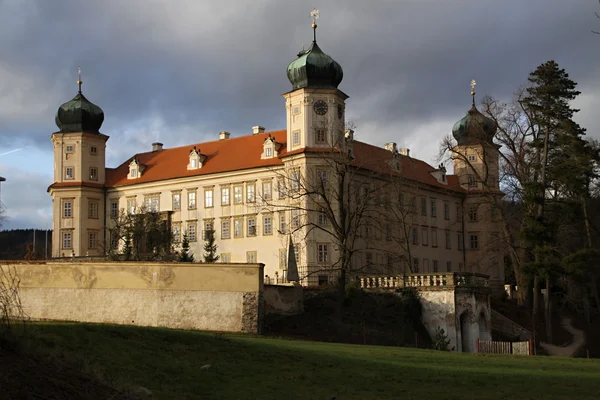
(314, 14)
(79, 81)
(473, 83)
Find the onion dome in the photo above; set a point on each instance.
(313, 68)
(79, 115)
(474, 128)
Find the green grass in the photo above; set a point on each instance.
(242, 367)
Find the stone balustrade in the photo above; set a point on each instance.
(449, 279)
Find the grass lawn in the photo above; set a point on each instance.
(242, 367)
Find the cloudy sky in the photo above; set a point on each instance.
(180, 71)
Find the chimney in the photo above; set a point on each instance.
(224, 135)
(391, 146)
(156, 146)
(258, 129)
(405, 152)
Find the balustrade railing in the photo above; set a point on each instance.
(449, 279)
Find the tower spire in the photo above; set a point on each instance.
(473, 83)
(314, 14)
(79, 81)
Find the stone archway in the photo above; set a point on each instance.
(466, 339)
(484, 331)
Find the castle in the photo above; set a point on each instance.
(303, 185)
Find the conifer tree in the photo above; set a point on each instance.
(210, 247)
(185, 255)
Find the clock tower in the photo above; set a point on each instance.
(315, 107)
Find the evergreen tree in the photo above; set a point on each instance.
(185, 255)
(210, 247)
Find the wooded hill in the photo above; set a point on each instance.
(17, 244)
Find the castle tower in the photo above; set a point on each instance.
(79, 174)
(475, 159)
(315, 107)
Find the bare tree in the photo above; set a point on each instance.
(140, 235)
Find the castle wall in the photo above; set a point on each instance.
(213, 297)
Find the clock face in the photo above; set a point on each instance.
(320, 107)
(340, 111)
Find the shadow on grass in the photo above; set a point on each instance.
(169, 363)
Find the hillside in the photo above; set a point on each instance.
(194, 365)
(17, 244)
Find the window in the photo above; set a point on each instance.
(152, 203)
(238, 228)
(130, 206)
(267, 225)
(322, 217)
(415, 265)
(423, 206)
(176, 230)
(225, 229)
(434, 238)
(433, 207)
(413, 205)
(472, 181)
(474, 244)
(460, 241)
(297, 254)
(471, 157)
(225, 257)
(208, 198)
(252, 226)
(449, 266)
(424, 236)
(281, 188)
(251, 193)
(93, 174)
(320, 136)
(92, 240)
(435, 266)
(67, 208)
(458, 212)
(69, 148)
(69, 174)
(448, 240)
(208, 230)
(415, 235)
(282, 259)
(322, 178)
(251, 257)
(282, 223)
(368, 258)
(295, 181)
(296, 110)
(295, 219)
(133, 172)
(191, 231)
(446, 210)
(67, 240)
(425, 265)
(267, 189)
(193, 163)
(296, 138)
(93, 209)
(114, 208)
(322, 253)
(93, 150)
(177, 201)
(192, 200)
(225, 196)
(323, 280)
(268, 152)
(473, 213)
(238, 194)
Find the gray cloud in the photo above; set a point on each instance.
(181, 71)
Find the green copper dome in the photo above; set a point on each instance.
(474, 128)
(79, 115)
(314, 69)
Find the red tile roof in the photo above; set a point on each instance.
(243, 152)
(74, 184)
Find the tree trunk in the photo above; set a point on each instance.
(548, 311)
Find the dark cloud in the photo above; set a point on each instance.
(181, 71)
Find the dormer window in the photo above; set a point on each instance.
(270, 148)
(195, 159)
(135, 169)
